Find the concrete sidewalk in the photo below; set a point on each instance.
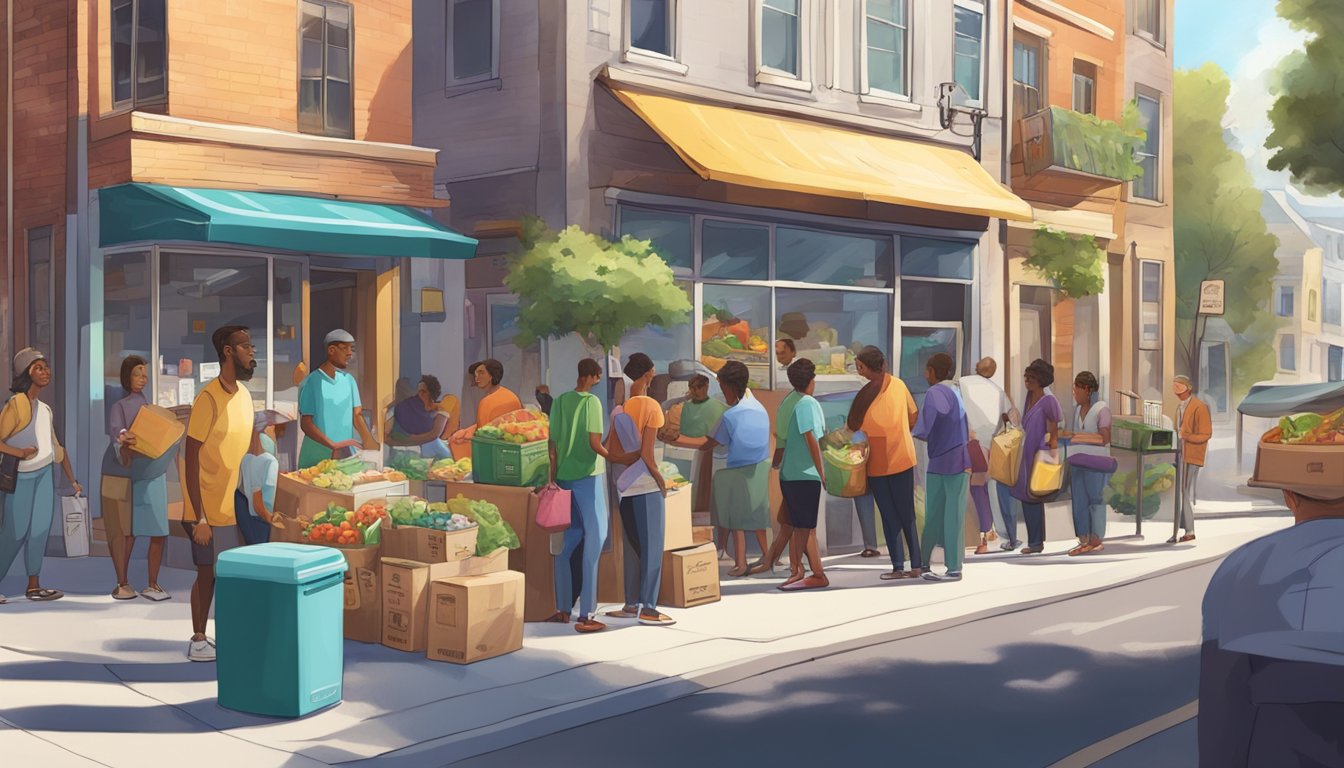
(109, 681)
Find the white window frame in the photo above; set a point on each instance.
(981, 7)
(1149, 95)
(778, 77)
(632, 54)
(474, 82)
(865, 86)
(1154, 341)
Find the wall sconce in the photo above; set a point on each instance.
(947, 115)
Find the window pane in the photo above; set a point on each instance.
(1332, 305)
(937, 302)
(198, 294)
(887, 10)
(670, 234)
(340, 119)
(664, 345)
(1026, 64)
(937, 258)
(1150, 120)
(1152, 282)
(123, 19)
(967, 52)
(338, 26)
(733, 251)
(813, 256)
(650, 27)
(338, 63)
(1287, 352)
(149, 51)
(917, 346)
(886, 56)
(288, 307)
(736, 310)
(830, 327)
(39, 288)
(779, 36)
(473, 36)
(1082, 94)
(310, 54)
(310, 105)
(313, 16)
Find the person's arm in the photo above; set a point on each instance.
(21, 453)
(550, 449)
(311, 431)
(646, 453)
(70, 474)
(707, 443)
(778, 458)
(924, 421)
(201, 533)
(1201, 428)
(440, 420)
(366, 437)
(814, 448)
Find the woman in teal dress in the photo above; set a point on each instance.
(741, 500)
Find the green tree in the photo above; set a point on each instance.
(575, 282)
(1220, 233)
(1308, 135)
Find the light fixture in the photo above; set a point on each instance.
(947, 114)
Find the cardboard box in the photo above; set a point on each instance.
(702, 534)
(475, 617)
(677, 513)
(155, 430)
(428, 545)
(405, 594)
(1314, 471)
(690, 577)
(363, 595)
(299, 499)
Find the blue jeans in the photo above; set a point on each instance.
(863, 507)
(644, 520)
(895, 497)
(436, 449)
(253, 529)
(587, 526)
(27, 521)
(1088, 488)
(1008, 511)
(1034, 515)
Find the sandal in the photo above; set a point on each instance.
(793, 577)
(760, 566)
(559, 617)
(1187, 537)
(42, 594)
(811, 582)
(624, 612)
(870, 553)
(737, 572)
(1080, 549)
(983, 549)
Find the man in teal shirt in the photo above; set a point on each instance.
(329, 406)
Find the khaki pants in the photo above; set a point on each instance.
(116, 502)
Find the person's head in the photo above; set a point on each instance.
(698, 388)
(1181, 386)
(487, 373)
(785, 351)
(1305, 508)
(1039, 375)
(1085, 385)
(639, 367)
(233, 345)
(987, 367)
(30, 370)
(870, 362)
(939, 368)
(733, 379)
(261, 442)
(589, 372)
(793, 324)
(429, 390)
(803, 375)
(340, 348)
(134, 374)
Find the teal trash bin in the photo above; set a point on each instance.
(279, 628)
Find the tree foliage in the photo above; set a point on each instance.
(1308, 114)
(1072, 262)
(1220, 232)
(575, 282)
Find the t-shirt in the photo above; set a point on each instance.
(942, 424)
(496, 404)
(259, 473)
(887, 425)
(222, 423)
(782, 416)
(331, 401)
(645, 412)
(575, 416)
(38, 434)
(804, 417)
(985, 402)
(745, 430)
(700, 419)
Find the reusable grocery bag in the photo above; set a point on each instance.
(1047, 477)
(1005, 453)
(553, 508)
(75, 519)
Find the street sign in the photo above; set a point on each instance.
(1211, 297)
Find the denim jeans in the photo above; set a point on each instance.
(644, 519)
(1088, 488)
(587, 526)
(28, 514)
(1034, 514)
(436, 449)
(863, 507)
(895, 497)
(1008, 511)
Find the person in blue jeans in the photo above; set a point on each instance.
(1090, 463)
(254, 500)
(578, 462)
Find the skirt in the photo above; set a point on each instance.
(742, 497)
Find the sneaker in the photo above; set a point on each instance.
(655, 619)
(201, 650)
(154, 593)
(950, 576)
(124, 592)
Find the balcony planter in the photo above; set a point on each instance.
(1063, 140)
(1072, 263)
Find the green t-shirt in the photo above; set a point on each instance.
(782, 417)
(805, 417)
(574, 416)
(700, 419)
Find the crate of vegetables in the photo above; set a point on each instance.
(428, 532)
(1303, 454)
(349, 483)
(512, 450)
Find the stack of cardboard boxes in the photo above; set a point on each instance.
(690, 570)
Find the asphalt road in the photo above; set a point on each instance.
(1024, 689)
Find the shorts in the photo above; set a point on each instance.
(802, 497)
(205, 555)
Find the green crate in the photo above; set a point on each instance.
(495, 462)
(1140, 438)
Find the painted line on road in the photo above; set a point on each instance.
(1079, 628)
(1125, 739)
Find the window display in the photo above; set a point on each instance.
(830, 327)
(735, 325)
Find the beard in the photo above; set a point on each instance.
(244, 373)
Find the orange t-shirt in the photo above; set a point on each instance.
(496, 404)
(645, 412)
(887, 424)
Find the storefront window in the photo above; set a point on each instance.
(941, 302)
(128, 327)
(921, 257)
(670, 234)
(735, 325)
(732, 250)
(830, 327)
(287, 302)
(664, 345)
(198, 294)
(918, 344)
(813, 256)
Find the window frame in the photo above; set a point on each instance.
(326, 129)
(454, 84)
(1024, 38)
(134, 101)
(1154, 341)
(865, 85)
(633, 53)
(1287, 346)
(1143, 94)
(1157, 36)
(981, 7)
(1284, 293)
(1089, 74)
(765, 75)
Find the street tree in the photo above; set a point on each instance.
(1220, 233)
(1308, 135)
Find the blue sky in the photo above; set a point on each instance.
(1221, 31)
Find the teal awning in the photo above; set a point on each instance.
(1276, 400)
(132, 213)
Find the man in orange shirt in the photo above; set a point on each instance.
(1196, 429)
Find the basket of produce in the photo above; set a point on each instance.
(1303, 454)
(450, 471)
(512, 450)
(341, 528)
(846, 465)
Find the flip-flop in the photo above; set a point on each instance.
(811, 582)
(44, 595)
(869, 553)
(1187, 537)
(759, 567)
(737, 574)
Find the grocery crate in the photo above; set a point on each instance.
(495, 462)
(1141, 438)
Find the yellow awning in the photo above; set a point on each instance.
(755, 149)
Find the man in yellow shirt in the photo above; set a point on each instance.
(218, 436)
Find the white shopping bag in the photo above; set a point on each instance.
(75, 517)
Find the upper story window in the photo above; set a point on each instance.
(886, 29)
(473, 41)
(968, 50)
(1028, 75)
(1084, 87)
(1148, 18)
(1148, 186)
(1288, 352)
(139, 52)
(1150, 304)
(1285, 303)
(781, 44)
(326, 100)
(652, 27)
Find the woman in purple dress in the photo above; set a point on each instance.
(1040, 421)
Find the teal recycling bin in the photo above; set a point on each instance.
(279, 628)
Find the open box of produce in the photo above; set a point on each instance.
(1303, 454)
(434, 532)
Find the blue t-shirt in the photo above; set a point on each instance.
(259, 473)
(806, 417)
(745, 429)
(331, 402)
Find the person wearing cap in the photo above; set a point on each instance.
(329, 406)
(1196, 425)
(27, 433)
(1271, 672)
(254, 501)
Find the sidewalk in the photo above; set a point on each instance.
(110, 682)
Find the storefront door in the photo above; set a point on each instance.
(337, 299)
